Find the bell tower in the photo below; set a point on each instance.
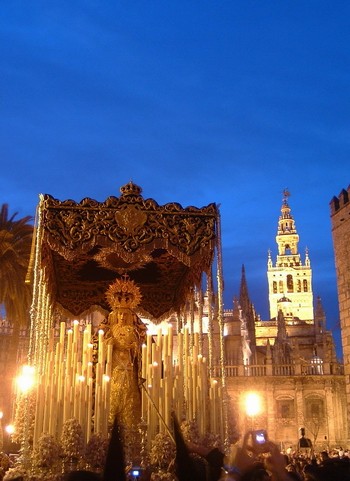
(290, 277)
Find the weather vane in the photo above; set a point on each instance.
(286, 194)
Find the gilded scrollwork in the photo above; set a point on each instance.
(165, 248)
(74, 228)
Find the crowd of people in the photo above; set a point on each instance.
(247, 461)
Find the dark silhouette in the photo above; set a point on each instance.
(115, 464)
(185, 468)
(82, 476)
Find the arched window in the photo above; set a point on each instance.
(299, 285)
(305, 285)
(274, 287)
(290, 286)
(281, 287)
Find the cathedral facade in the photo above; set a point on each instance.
(287, 361)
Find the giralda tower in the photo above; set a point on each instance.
(290, 278)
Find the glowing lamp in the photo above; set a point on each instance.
(10, 429)
(26, 380)
(252, 404)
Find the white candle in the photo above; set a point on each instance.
(100, 346)
(144, 361)
(170, 340)
(75, 331)
(62, 332)
(89, 410)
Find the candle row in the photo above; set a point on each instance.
(178, 383)
(71, 386)
(68, 388)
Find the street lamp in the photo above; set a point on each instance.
(9, 430)
(25, 383)
(26, 380)
(252, 406)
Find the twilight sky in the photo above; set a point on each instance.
(195, 101)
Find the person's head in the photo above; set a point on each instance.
(324, 455)
(257, 472)
(82, 476)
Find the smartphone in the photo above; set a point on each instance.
(260, 441)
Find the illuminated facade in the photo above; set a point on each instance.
(289, 360)
(290, 277)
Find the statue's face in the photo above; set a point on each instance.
(124, 316)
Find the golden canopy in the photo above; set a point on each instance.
(84, 247)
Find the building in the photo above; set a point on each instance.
(340, 218)
(289, 360)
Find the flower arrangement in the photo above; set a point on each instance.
(96, 451)
(190, 431)
(211, 440)
(72, 439)
(24, 418)
(163, 476)
(16, 473)
(5, 462)
(46, 453)
(162, 452)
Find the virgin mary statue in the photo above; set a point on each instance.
(126, 334)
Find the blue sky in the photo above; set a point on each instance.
(195, 101)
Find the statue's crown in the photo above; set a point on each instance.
(123, 293)
(130, 189)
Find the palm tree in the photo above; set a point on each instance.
(15, 247)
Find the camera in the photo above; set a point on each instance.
(260, 441)
(134, 473)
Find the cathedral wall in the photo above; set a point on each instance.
(288, 403)
(340, 218)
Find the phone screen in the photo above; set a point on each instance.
(260, 437)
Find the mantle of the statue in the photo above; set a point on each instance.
(84, 247)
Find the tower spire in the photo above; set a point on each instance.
(287, 237)
(289, 276)
(248, 311)
(243, 291)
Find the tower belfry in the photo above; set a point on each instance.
(290, 277)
